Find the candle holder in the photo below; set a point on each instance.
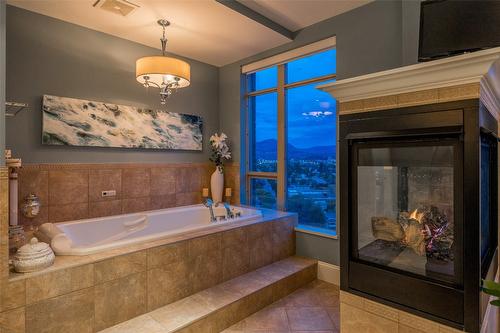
(228, 194)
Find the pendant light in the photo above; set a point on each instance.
(166, 73)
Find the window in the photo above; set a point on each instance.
(264, 132)
(263, 192)
(291, 140)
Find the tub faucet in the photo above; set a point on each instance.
(209, 204)
(229, 213)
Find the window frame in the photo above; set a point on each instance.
(281, 172)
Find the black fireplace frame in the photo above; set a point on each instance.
(456, 305)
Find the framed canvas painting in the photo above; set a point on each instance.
(77, 122)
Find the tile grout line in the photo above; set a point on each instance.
(287, 317)
(88, 194)
(121, 191)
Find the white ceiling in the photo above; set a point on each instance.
(200, 29)
(298, 14)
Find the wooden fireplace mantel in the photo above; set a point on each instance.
(472, 75)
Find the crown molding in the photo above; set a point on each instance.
(452, 71)
(490, 89)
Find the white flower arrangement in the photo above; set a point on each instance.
(220, 150)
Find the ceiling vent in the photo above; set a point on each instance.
(119, 7)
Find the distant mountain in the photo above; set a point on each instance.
(267, 150)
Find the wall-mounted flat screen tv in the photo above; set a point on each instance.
(450, 27)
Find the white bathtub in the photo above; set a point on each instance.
(90, 236)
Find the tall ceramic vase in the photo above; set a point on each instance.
(217, 185)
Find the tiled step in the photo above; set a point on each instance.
(312, 308)
(215, 309)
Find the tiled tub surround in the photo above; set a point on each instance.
(73, 191)
(89, 293)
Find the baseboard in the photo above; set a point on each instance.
(328, 273)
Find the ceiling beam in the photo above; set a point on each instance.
(257, 17)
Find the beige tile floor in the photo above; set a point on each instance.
(313, 308)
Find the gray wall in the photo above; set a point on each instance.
(369, 39)
(49, 56)
(410, 12)
(318, 247)
(2, 81)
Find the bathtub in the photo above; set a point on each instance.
(91, 236)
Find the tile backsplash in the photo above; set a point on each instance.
(74, 191)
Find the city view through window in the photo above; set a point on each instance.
(311, 140)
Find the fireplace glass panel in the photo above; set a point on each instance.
(405, 208)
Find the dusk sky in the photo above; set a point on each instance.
(311, 112)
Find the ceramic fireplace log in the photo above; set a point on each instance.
(426, 231)
(414, 234)
(410, 233)
(387, 229)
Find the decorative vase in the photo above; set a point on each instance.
(33, 257)
(217, 185)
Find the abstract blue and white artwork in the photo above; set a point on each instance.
(77, 122)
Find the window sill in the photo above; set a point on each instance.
(316, 231)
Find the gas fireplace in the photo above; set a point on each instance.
(405, 206)
(419, 208)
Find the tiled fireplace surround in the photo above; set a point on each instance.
(90, 293)
(452, 79)
(73, 191)
(359, 314)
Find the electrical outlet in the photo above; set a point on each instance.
(108, 193)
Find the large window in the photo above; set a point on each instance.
(291, 140)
